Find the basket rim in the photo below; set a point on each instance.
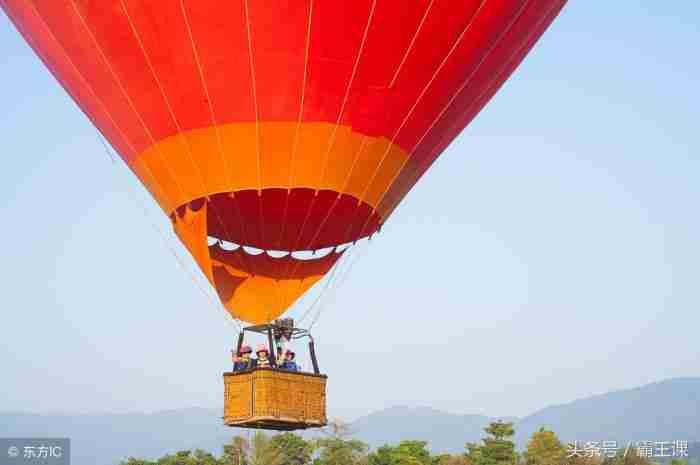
(276, 370)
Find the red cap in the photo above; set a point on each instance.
(261, 348)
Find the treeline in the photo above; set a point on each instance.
(336, 447)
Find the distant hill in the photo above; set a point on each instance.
(664, 411)
(444, 431)
(668, 410)
(105, 439)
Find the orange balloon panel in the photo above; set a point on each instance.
(279, 125)
(255, 287)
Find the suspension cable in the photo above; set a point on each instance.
(327, 285)
(164, 237)
(333, 283)
(340, 280)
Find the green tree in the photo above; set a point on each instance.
(337, 449)
(544, 448)
(135, 461)
(414, 452)
(473, 452)
(184, 457)
(262, 452)
(292, 448)
(626, 457)
(582, 459)
(406, 453)
(679, 462)
(382, 456)
(497, 447)
(236, 452)
(448, 459)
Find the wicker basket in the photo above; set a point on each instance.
(267, 398)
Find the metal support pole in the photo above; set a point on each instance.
(239, 344)
(270, 340)
(312, 352)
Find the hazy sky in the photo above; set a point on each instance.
(567, 265)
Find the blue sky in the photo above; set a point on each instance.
(567, 266)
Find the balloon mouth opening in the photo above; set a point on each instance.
(262, 250)
(280, 265)
(302, 222)
(302, 255)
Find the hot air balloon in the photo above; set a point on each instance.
(267, 129)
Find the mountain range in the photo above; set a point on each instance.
(663, 411)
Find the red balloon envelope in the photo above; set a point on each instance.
(285, 125)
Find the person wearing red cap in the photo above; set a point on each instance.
(243, 361)
(288, 363)
(263, 356)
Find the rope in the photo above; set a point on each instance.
(340, 280)
(164, 238)
(325, 288)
